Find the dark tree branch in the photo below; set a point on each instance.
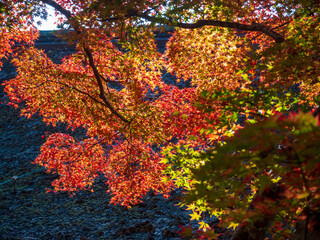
(88, 52)
(299, 232)
(281, 25)
(82, 92)
(101, 88)
(58, 7)
(254, 27)
(108, 80)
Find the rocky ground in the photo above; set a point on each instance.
(28, 212)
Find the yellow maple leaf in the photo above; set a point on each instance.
(233, 225)
(195, 216)
(204, 226)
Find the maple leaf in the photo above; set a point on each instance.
(233, 225)
(237, 137)
(186, 232)
(195, 215)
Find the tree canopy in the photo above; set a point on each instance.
(241, 139)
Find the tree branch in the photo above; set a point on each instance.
(101, 88)
(88, 52)
(281, 25)
(254, 27)
(58, 7)
(82, 92)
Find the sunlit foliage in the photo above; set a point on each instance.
(238, 139)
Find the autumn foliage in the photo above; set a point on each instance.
(241, 139)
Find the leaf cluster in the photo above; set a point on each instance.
(234, 139)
